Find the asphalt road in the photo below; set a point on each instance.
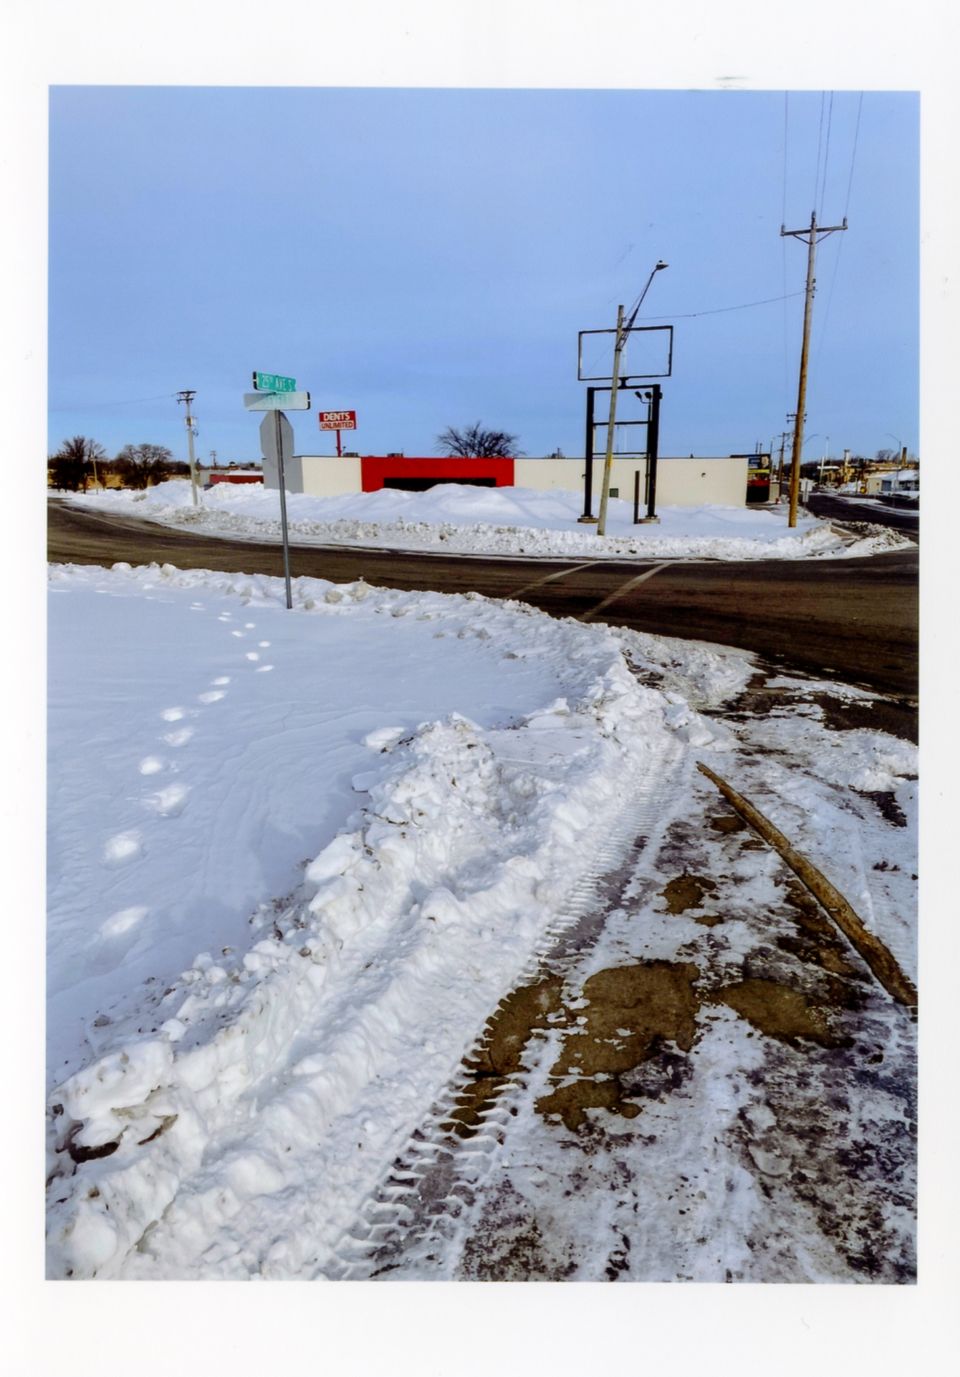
(838, 509)
(855, 620)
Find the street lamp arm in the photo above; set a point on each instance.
(657, 267)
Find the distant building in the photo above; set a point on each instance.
(681, 482)
(232, 474)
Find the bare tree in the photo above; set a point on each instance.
(476, 442)
(140, 465)
(74, 462)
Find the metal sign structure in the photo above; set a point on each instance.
(273, 382)
(277, 401)
(651, 396)
(646, 350)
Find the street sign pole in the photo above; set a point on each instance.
(276, 444)
(278, 436)
(338, 445)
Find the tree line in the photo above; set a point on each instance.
(80, 459)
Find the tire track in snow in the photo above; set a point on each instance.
(420, 1209)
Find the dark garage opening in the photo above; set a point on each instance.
(422, 484)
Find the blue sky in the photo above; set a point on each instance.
(427, 257)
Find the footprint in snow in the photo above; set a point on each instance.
(263, 669)
(122, 921)
(179, 737)
(252, 655)
(168, 802)
(223, 679)
(151, 765)
(122, 847)
(263, 644)
(251, 626)
(211, 696)
(173, 714)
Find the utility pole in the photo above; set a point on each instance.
(813, 231)
(611, 421)
(187, 397)
(783, 441)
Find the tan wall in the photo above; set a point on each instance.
(680, 482)
(322, 475)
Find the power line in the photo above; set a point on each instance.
(127, 401)
(816, 175)
(719, 310)
(826, 154)
(853, 155)
(836, 265)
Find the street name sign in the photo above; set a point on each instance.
(273, 382)
(276, 401)
(338, 420)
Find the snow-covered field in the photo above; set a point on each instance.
(508, 521)
(297, 857)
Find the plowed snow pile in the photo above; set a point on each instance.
(462, 519)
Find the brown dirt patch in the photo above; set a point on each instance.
(777, 1010)
(727, 822)
(630, 1011)
(687, 892)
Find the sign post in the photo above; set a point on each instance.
(273, 393)
(337, 420)
(276, 443)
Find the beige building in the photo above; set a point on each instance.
(681, 482)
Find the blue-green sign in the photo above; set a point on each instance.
(273, 382)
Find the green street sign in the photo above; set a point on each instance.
(273, 382)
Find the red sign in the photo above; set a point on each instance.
(338, 420)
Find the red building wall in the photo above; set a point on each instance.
(375, 469)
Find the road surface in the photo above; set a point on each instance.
(855, 620)
(835, 508)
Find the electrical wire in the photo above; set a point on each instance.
(836, 265)
(720, 310)
(816, 177)
(853, 155)
(127, 401)
(826, 156)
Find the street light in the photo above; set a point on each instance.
(826, 447)
(899, 443)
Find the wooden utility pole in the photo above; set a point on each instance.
(611, 421)
(813, 231)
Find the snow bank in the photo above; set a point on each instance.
(508, 521)
(269, 1077)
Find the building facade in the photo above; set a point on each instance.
(681, 482)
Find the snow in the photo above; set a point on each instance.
(296, 857)
(464, 519)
